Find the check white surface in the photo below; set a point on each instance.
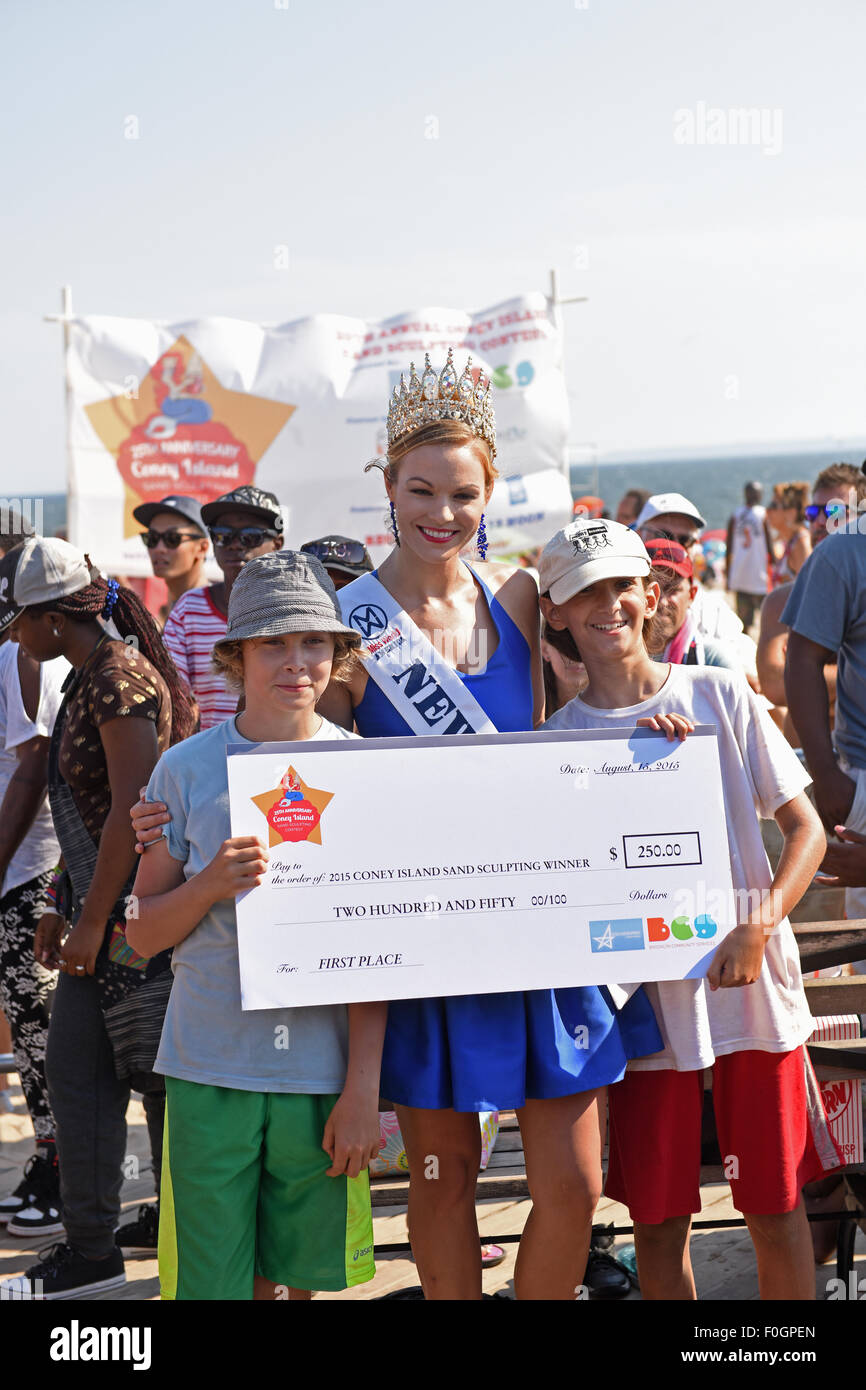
(472, 865)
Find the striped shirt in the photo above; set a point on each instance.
(191, 629)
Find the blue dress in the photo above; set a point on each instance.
(496, 1051)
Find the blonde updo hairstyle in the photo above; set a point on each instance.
(437, 432)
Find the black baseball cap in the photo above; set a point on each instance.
(187, 507)
(340, 553)
(9, 609)
(262, 507)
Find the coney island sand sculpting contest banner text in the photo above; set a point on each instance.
(203, 406)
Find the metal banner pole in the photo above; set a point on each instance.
(65, 318)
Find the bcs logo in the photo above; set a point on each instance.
(680, 929)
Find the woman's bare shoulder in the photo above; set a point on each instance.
(518, 582)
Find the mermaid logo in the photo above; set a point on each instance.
(180, 431)
(293, 810)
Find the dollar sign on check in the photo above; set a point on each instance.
(612, 852)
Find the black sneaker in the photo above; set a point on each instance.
(63, 1273)
(142, 1234)
(604, 1277)
(35, 1201)
(40, 1217)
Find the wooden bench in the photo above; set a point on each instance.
(822, 944)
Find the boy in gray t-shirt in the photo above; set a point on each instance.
(251, 1126)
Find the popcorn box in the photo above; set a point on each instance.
(842, 1099)
(392, 1158)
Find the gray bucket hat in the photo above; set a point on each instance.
(284, 592)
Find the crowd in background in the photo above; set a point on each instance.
(788, 615)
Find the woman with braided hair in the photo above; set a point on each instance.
(124, 705)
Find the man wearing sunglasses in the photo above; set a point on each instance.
(675, 634)
(242, 525)
(343, 558)
(176, 541)
(836, 494)
(668, 516)
(826, 615)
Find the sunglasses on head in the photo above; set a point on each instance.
(829, 509)
(247, 537)
(349, 552)
(170, 538)
(686, 541)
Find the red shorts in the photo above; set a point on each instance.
(773, 1135)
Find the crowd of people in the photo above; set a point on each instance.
(120, 875)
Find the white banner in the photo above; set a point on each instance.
(204, 406)
(386, 880)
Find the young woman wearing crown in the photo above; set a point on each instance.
(469, 638)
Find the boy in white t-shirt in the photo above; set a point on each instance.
(749, 1018)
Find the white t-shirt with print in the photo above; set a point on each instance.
(747, 564)
(760, 772)
(39, 850)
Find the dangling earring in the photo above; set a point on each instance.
(394, 524)
(481, 538)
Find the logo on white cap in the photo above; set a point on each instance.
(589, 539)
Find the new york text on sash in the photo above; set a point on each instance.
(425, 690)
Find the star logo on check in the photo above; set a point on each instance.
(605, 941)
(293, 810)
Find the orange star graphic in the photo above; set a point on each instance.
(315, 796)
(208, 443)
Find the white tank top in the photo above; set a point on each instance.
(747, 563)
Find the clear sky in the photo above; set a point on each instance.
(726, 284)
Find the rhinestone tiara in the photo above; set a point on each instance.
(443, 397)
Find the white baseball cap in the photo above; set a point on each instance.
(49, 569)
(586, 551)
(664, 502)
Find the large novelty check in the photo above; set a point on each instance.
(409, 867)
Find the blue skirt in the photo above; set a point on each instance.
(496, 1051)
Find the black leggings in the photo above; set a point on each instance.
(25, 994)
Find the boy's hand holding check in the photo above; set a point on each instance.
(239, 865)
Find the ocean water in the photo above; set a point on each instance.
(714, 485)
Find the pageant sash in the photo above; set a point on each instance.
(425, 691)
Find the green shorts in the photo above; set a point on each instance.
(245, 1191)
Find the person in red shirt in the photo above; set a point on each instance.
(243, 525)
